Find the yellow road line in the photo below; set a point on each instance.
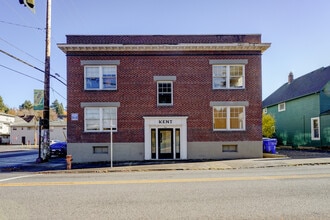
(154, 181)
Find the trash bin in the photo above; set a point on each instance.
(269, 145)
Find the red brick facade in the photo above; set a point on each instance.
(192, 90)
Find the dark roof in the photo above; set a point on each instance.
(162, 39)
(305, 85)
(27, 118)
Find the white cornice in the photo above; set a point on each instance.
(164, 47)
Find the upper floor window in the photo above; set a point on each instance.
(228, 117)
(101, 77)
(281, 107)
(164, 90)
(100, 119)
(228, 76)
(164, 93)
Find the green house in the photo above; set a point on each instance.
(301, 108)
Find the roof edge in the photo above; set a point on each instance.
(165, 47)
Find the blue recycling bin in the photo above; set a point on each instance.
(269, 145)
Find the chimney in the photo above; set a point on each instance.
(290, 78)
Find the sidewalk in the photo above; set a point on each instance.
(10, 148)
(205, 165)
(269, 160)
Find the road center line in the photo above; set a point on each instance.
(155, 181)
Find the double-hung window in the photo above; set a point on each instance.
(165, 93)
(101, 77)
(164, 90)
(228, 74)
(98, 119)
(228, 118)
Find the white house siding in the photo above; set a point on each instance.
(5, 121)
(23, 132)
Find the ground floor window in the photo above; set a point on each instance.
(177, 143)
(99, 119)
(153, 143)
(315, 128)
(228, 117)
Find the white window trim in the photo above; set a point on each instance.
(228, 76)
(228, 119)
(114, 121)
(280, 109)
(312, 128)
(165, 104)
(100, 77)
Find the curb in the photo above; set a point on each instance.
(269, 155)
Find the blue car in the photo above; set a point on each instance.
(58, 149)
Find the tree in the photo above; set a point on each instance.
(3, 107)
(58, 107)
(26, 105)
(12, 111)
(268, 125)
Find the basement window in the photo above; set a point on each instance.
(229, 148)
(100, 150)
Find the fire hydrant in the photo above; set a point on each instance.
(68, 162)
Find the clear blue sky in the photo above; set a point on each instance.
(297, 29)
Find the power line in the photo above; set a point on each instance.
(58, 79)
(58, 93)
(31, 78)
(21, 50)
(22, 61)
(21, 25)
(21, 73)
(30, 65)
(28, 55)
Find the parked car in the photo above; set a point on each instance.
(58, 149)
(4, 140)
(54, 141)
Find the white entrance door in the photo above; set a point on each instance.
(165, 137)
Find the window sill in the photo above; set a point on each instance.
(164, 105)
(216, 130)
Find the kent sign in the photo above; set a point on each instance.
(165, 122)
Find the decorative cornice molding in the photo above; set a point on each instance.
(164, 47)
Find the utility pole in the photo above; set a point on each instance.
(44, 150)
(46, 136)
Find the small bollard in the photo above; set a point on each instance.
(68, 162)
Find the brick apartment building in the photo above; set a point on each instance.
(164, 96)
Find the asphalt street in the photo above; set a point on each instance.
(299, 192)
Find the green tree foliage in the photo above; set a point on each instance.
(26, 105)
(3, 107)
(268, 125)
(58, 107)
